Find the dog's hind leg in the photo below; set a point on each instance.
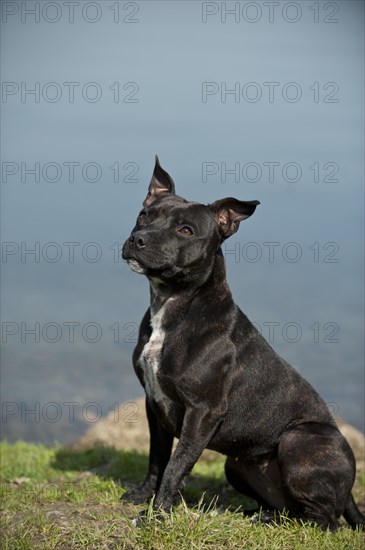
(235, 474)
(261, 482)
(318, 469)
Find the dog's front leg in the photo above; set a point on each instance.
(199, 427)
(160, 452)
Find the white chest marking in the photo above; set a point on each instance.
(150, 360)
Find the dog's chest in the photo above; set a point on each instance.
(150, 360)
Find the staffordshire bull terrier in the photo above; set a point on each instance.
(212, 381)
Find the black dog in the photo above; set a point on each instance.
(212, 381)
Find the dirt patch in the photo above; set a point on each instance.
(71, 525)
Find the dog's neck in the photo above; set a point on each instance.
(214, 280)
(160, 292)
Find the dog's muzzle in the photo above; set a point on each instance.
(136, 242)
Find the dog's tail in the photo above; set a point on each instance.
(353, 516)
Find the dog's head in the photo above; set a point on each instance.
(176, 238)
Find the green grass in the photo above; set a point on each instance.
(54, 498)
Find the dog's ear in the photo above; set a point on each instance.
(161, 184)
(230, 212)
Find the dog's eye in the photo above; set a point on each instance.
(142, 215)
(186, 231)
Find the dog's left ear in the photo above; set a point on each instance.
(161, 184)
(230, 212)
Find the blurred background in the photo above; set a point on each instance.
(256, 100)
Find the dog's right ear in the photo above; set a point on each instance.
(161, 184)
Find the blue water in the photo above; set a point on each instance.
(269, 110)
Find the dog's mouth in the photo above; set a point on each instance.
(152, 267)
(164, 271)
(136, 266)
(142, 267)
(133, 263)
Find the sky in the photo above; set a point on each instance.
(255, 100)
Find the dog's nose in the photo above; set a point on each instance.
(138, 241)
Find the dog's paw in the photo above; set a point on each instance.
(265, 517)
(141, 519)
(148, 515)
(137, 496)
